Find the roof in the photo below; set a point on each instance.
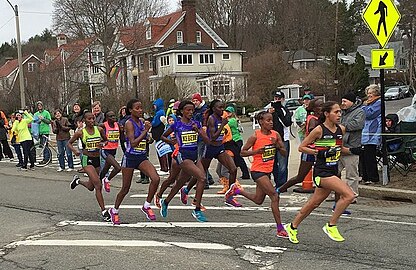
(12, 65)
(195, 47)
(298, 55)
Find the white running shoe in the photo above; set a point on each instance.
(60, 170)
(69, 170)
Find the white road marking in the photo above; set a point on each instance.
(210, 195)
(370, 219)
(120, 243)
(266, 249)
(169, 224)
(228, 208)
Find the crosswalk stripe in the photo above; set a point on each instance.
(209, 195)
(170, 224)
(190, 207)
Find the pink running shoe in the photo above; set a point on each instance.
(150, 215)
(232, 202)
(282, 234)
(114, 216)
(184, 195)
(232, 191)
(106, 184)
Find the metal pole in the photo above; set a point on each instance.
(383, 128)
(19, 57)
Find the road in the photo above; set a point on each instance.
(45, 225)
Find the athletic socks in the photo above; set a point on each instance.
(280, 227)
(146, 205)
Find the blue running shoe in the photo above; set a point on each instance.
(199, 215)
(345, 213)
(163, 208)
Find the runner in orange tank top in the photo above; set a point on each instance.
(263, 143)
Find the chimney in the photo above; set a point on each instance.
(61, 40)
(190, 21)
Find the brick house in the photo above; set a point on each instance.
(183, 47)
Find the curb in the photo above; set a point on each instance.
(388, 193)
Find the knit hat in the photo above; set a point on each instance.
(307, 97)
(350, 96)
(197, 96)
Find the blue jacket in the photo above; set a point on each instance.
(159, 111)
(199, 113)
(372, 126)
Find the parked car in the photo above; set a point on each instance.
(408, 92)
(394, 93)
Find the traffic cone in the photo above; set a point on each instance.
(307, 184)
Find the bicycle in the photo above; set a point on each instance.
(38, 148)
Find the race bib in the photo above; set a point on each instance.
(141, 147)
(334, 159)
(92, 144)
(189, 138)
(113, 135)
(269, 153)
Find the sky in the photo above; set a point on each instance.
(35, 16)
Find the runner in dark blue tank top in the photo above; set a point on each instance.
(187, 133)
(137, 135)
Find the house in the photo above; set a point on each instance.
(301, 59)
(9, 77)
(183, 47)
(401, 55)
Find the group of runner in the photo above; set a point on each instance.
(321, 147)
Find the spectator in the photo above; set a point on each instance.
(4, 125)
(392, 126)
(20, 126)
(300, 116)
(13, 141)
(99, 115)
(371, 138)
(44, 120)
(76, 116)
(352, 119)
(61, 128)
(157, 130)
(123, 117)
(307, 91)
(281, 123)
(169, 110)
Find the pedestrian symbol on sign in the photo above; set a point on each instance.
(382, 9)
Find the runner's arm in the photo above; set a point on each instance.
(77, 135)
(245, 152)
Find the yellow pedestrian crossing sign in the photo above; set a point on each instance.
(381, 17)
(382, 59)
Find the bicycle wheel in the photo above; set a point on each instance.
(37, 151)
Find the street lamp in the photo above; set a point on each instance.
(19, 56)
(135, 74)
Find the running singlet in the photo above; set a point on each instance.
(186, 136)
(113, 136)
(141, 148)
(91, 143)
(264, 162)
(328, 140)
(217, 125)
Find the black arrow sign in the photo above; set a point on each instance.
(383, 59)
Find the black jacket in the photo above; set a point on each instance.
(282, 117)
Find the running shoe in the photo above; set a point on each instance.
(23, 169)
(114, 216)
(232, 191)
(106, 216)
(150, 215)
(163, 208)
(157, 201)
(69, 169)
(292, 234)
(282, 234)
(233, 202)
(74, 182)
(199, 216)
(145, 180)
(203, 208)
(184, 195)
(333, 233)
(60, 170)
(106, 184)
(345, 213)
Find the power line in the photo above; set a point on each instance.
(6, 23)
(37, 12)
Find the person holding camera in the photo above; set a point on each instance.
(61, 127)
(282, 120)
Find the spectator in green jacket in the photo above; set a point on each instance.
(300, 116)
(44, 120)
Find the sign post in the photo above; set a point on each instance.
(382, 17)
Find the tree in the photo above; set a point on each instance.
(167, 89)
(353, 77)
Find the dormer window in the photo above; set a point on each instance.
(148, 30)
(198, 37)
(179, 37)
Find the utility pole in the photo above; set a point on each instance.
(19, 57)
(336, 49)
(411, 58)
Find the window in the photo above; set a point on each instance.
(85, 76)
(164, 61)
(141, 62)
(148, 32)
(402, 62)
(99, 91)
(179, 37)
(198, 37)
(226, 56)
(221, 87)
(206, 58)
(185, 59)
(95, 69)
(203, 88)
(150, 62)
(31, 67)
(97, 57)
